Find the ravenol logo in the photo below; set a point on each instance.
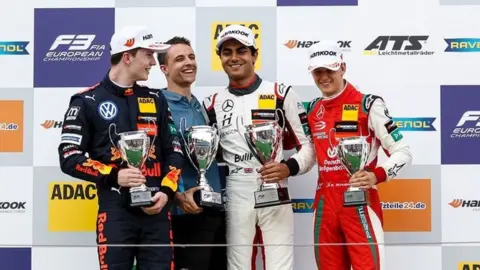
(415, 123)
(14, 47)
(463, 45)
(217, 28)
(302, 205)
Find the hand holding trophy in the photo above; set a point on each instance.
(353, 154)
(134, 147)
(264, 140)
(201, 145)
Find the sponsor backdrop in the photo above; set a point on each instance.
(424, 66)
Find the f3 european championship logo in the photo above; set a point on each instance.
(462, 45)
(217, 27)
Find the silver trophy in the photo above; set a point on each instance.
(353, 153)
(264, 141)
(134, 147)
(201, 145)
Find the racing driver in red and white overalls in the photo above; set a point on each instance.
(349, 237)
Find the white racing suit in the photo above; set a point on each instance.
(276, 222)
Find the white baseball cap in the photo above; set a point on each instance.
(325, 54)
(238, 32)
(132, 37)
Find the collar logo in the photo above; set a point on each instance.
(107, 110)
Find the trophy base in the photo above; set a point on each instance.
(271, 197)
(142, 198)
(354, 198)
(207, 198)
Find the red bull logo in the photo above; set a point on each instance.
(154, 171)
(94, 167)
(151, 153)
(115, 154)
(171, 179)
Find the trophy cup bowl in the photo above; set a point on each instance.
(264, 140)
(201, 144)
(134, 147)
(353, 154)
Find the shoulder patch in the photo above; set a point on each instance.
(367, 102)
(281, 90)
(209, 101)
(88, 89)
(312, 104)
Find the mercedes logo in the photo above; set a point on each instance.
(227, 105)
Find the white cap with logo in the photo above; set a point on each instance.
(326, 54)
(238, 32)
(132, 37)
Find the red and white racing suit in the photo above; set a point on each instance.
(257, 103)
(352, 113)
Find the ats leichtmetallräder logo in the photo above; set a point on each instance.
(69, 49)
(460, 122)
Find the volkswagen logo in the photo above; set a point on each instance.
(227, 105)
(107, 110)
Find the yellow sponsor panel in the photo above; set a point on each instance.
(217, 27)
(72, 207)
(468, 266)
(266, 101)
(350, 112)
(146, 105)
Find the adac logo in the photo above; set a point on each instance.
(468, 266)
(398, 46)
(217, 28)
(415, 123)
(93, 167)
(65, 196)
(345, 45)
(14, 47)
(51, 124)
(462, 203)
(462, 45)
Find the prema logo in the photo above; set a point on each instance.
(461, 203)
(345, 45)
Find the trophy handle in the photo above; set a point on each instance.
(247, 140)
(185, 145)
(334, 132)
(110, 135)
(280, 112)
(150, 121)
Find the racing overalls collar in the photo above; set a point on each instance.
(250, 88)
(116, 89)
(340, 96)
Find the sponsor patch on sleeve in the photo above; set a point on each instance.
(71, 138)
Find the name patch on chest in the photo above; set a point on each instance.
(266, 101)
(146, 105)
(346, 126)
(260, 116)
(350, 112)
